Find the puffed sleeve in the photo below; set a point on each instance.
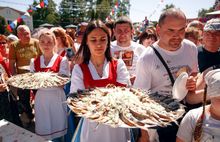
(32, 69)
(76, 79)
(187, 126)
(123, 76)
(64, 67)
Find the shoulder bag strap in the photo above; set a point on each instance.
(164, 63)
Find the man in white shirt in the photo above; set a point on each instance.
(124, 47)
(178, 54)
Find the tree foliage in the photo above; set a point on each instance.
(168, 6)
(202, 12)
(2, 25)
(103, 9)
(124, 8)
(45, 15)
(76, 11)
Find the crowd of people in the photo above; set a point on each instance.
(97, 54)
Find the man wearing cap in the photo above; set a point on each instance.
(203, 124)
(208, 53)
(208, 59)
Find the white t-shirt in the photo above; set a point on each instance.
(211, 127)
(77, 75)
(151, 73)
(129, 54)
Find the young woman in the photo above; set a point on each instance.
(62, 41)
(50, 109)
(98, 69)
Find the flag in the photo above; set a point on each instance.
(26, 14)
(38, 6)
(19, 20)
(30, 10)
(9, 28)
(15, 23)
(46, 2)
(42, 4)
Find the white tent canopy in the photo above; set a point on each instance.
(214, 13)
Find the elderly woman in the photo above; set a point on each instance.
(8, 104)
(98, 69)
(4, 46)
(203, 124)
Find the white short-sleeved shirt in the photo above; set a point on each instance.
(151, 73)
(211, 127)
(64, 65)
(77, 75)
(129, 54)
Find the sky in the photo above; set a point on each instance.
(139, 8)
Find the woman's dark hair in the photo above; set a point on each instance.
(146, 35)
(84, 51)
(110, 25)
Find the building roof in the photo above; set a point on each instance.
(214, 13)
(20, 12)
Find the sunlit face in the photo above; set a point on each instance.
(171, 32)
(47, 44)
(97, 42)
(211, 38)
(24, 35)
(3, 47)
(123, 34)
(148, 41)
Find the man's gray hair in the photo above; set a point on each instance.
(22, 27)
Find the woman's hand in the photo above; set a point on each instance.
(2, 87)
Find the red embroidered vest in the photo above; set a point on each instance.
(89, 82)
(54, 68)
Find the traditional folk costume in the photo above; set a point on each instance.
(50, 109)
(86, 76)
(62, 52)
(8, 103)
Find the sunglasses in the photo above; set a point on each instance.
(2, 42)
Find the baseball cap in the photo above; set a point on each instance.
(12, 37)
(212, 79)
(212, 25)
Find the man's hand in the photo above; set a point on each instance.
(144, 136)
(132, 79)
(191, 83)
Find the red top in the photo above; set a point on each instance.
(89, 82)
(63, 53)
(4, 64)
(54, 68)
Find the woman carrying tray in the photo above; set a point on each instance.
(8, 103)
(98, 69)
(50, 109)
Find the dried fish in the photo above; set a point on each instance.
(37, 80)
(125, 107)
